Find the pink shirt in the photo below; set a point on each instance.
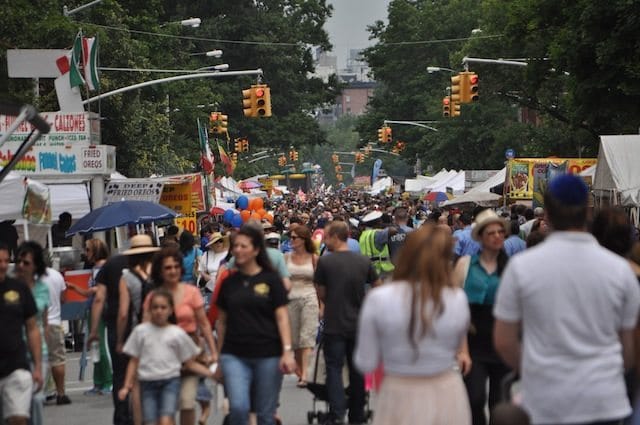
(185, 311)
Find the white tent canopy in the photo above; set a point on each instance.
(617, 173)
(381, 185)
(481, 194)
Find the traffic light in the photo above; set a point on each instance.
(237, 145)
(388, 135)
(242, 145)
(338, 168)
(256, 101)
(456, 82)
(282, 161)
(455, 109)
(292, 155)
(359, 158)
(234, 157)
(295, 155)
(381, 135)
(446, 107)
(218, 123)
(469, 87)
(339, 177)
(335, 158)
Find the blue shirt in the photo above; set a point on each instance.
(187, 264)
(514, 244)
(465, 245)
(479, 286)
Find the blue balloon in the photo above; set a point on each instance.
(242, 202)
(227, 216)
(236, 221)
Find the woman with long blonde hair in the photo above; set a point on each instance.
(416, 327)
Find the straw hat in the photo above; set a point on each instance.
(485, 218)
(215, 237)
(140, 244)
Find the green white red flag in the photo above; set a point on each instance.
(75, 61)
(90, 62)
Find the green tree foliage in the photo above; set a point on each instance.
(154, 129)
(581, 81)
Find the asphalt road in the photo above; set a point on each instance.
(295, 402)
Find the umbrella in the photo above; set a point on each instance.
(436, 196)
(216, 211)
(248, 184)
(120, 214)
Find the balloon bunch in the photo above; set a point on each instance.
(247, 210)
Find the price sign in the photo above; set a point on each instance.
(188, 222)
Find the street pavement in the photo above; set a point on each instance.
(84, 410)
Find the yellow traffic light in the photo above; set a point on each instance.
(381, 135)
(237, 146)
(263, 100)
(295, 155)
(291, 156)
(248, 103)
(469, 87)
(456, 81)
(455, 109)
(388, 135)
(282, 160)
(446, 107)
(256, 101)
(335, 158)
(223, 123)
(245, 145)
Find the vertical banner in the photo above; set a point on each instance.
(518, 179)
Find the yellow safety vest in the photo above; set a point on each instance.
(380, 258)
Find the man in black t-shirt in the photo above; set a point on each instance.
(340, 280)
(107, 284)
(17, 314)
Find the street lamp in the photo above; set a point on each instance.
(209, 54)
(220, 67)
(432, 69)
(191, 22)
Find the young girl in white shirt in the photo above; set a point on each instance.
(158, 351)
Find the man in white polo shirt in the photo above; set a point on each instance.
(575, 304)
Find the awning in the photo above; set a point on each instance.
(73, 198)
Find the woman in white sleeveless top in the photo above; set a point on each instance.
(303, 300)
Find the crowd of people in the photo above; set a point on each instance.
(444, 306)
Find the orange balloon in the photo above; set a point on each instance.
(268, 217)
(258, 203)
(245, 215)
(262, 212)
(255, 216)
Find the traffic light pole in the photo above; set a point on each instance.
(171, 79)
(416, 123)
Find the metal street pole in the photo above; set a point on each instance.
(466, 60)
(170, 79)
(416, 123)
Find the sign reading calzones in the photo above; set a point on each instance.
(63, 150)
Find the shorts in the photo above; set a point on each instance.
(188, 391)
(159, 398)
(55, 342)
(303, 315)
(15, 392)
(203, 393)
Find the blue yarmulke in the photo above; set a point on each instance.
(569, 189)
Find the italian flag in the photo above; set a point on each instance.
(75, 60)
(90, 62)
(206, 158)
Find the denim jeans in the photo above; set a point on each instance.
(251, 383)
(336, 349)
(159, 398)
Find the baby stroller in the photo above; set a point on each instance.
(316, 385)
(508, 412)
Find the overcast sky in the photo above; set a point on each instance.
(348, 25)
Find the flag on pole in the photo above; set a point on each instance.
(206, 156)
(90, 62)
(75, 76)
(224, 158)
